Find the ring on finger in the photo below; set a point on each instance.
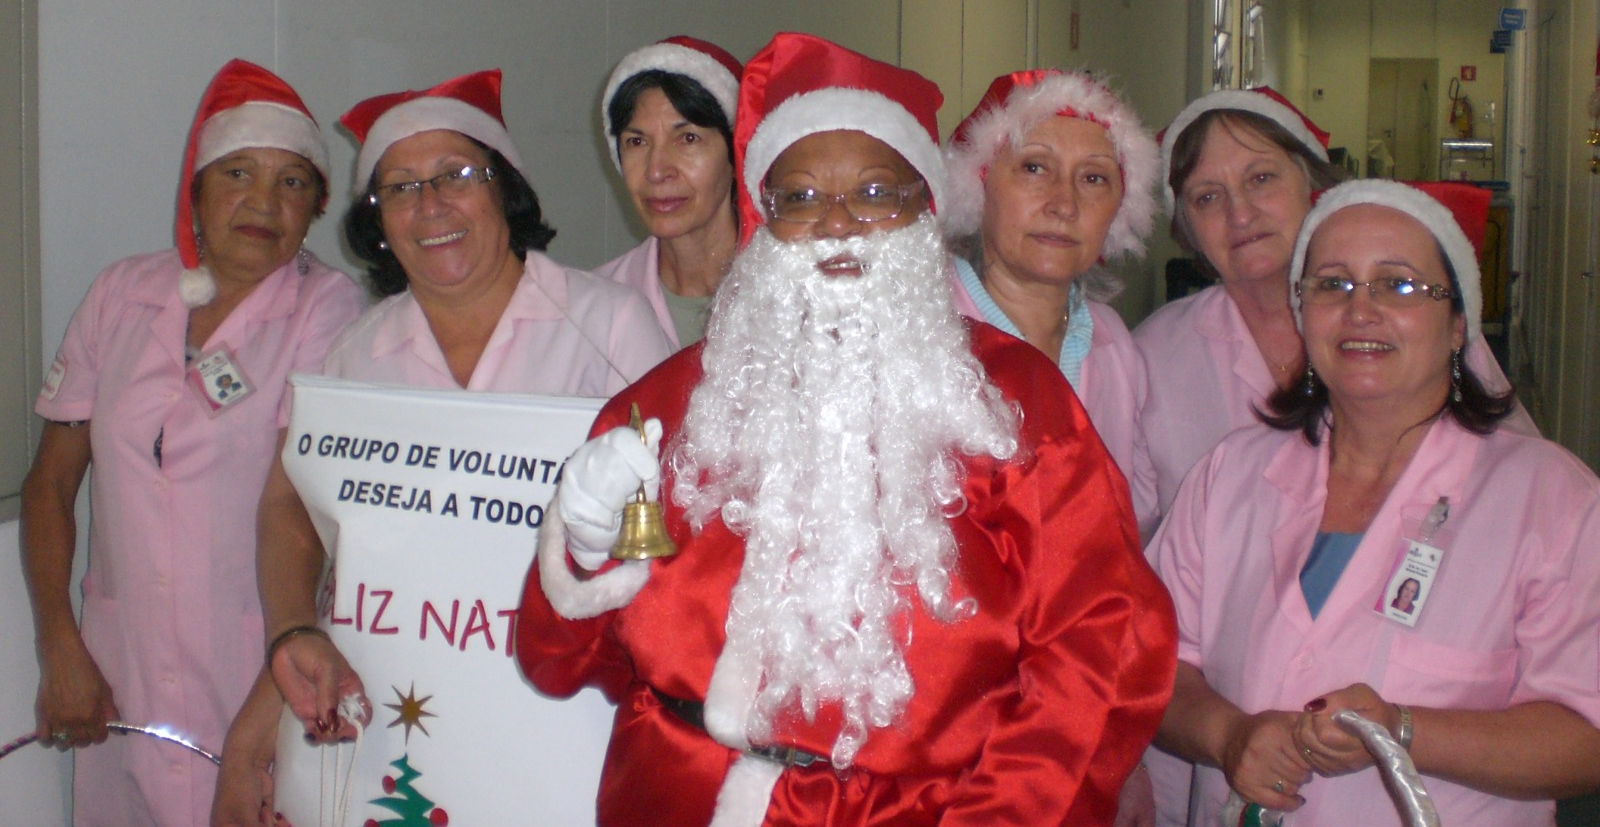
(60, 737)
(1306, 751)
(1277, 786)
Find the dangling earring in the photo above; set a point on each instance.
(1311, 381)
(1455, 375)
(302, 261)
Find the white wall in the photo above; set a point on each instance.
(112, 128)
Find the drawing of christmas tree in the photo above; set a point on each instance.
(411, 807)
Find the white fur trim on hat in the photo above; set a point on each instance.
(679, 60)
(425, 114)
(1248, 101)
(196, 287)
(576, 599)
(1415, 203)
(261, 124)
(1029, 106)
(836, 108)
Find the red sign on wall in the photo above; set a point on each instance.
(1469, 73)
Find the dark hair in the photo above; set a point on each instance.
(687, 95)
(1303, 405)
(363, 226)
(1186, 156)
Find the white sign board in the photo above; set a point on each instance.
(429, 504)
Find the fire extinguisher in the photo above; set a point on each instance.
(1460, 110)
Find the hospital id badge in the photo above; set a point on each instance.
(218, 380)
(1416, 566)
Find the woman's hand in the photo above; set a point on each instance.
(74, 702)
(1262, 762)
(244, 781)
(1136, 805)
(315, 679)
(1328, 747)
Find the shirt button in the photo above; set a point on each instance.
(1305, 661)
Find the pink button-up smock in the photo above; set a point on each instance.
(564, 332)
(1513, 615)
(1113, 389)
(640, 268)
(170, 609)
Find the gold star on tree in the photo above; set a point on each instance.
(410, 711)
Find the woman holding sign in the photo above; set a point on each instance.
(1384, 466)
(454, 235)
(168, 382)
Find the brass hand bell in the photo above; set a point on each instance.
(644, 524)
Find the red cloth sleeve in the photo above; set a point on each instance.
(561, 656)
(1096, 638)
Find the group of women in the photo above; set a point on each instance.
(1332, 395)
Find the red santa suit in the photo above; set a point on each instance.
(1032, 711)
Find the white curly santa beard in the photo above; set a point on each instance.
(825, 432)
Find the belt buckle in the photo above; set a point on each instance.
(787, 756)
(799, 758)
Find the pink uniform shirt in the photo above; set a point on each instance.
(1511, 618)
(564, 332)
(640, 268)
(1112, 388)
(170, 609)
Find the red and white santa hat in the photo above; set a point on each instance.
(1014, 105)
(469, 104)
(244, 107)
(707, 64)
(1263, 101)
(799, 85)
(1455, 213)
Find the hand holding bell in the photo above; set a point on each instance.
(644, 524)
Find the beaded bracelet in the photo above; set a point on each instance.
(293, 631)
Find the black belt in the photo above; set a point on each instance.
(693, 713)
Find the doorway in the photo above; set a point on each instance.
(1400, 119)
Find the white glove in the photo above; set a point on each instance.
(600, 478)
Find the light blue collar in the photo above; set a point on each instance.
(1080, 325)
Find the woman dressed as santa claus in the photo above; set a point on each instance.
(909, 589)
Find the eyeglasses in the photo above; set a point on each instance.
(873, 202)
(1390, 292)
(406, 194)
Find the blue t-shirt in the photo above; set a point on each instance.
(1330, 553)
